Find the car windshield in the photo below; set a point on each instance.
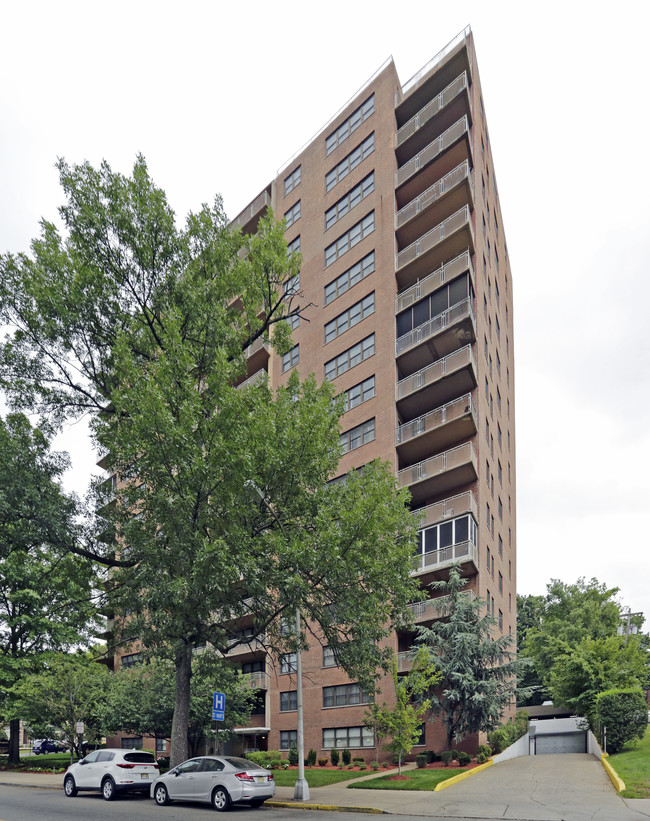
(140, 758)
(242, 763)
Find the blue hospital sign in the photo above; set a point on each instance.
(218, 706)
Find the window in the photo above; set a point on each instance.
(348, 202)
(496, 227)
(501, 621)
(499, 399)
(132, 660)
(287, 738)
(499, 471)
(446, 534)
(499, 437)
(291, 358)
(510, 570)
(360, 393)
(351, 737)
(500, 583)
(498, 364)
(291, 181)
(488, 557)
(132, 743)
(496, 286)
(350, 125)
(350, 162)
(348, 359)
(487, 389)
(292, 285)
(348, 278)
(487, 513)
(294, 321)
(329, 659)
(294, 246)
(436, 306)
(361, 435)
(500, 546)
(350, 238)
(289, 700)
(487, 600)
(498, 328)
(344, 695)
(288, 663)
(487, 472)
(161, 745)
(257, 666)
(348, 319)
(510, 602)
(292, 214)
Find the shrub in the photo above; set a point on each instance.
(481, 758)
(363, 766)
(446, 756)
(322, 762)
(421, 760)
(293, 755)
(485, 749)
(455, 754)
(431, 756)
(498, 740)
(624, 714)
(395, 759)
(506, 734)
(265, 758)
(358, 760)
(334, 757)
(464, 758)
(374, 765)
(385, 764)
(311, 758)
(347, 756)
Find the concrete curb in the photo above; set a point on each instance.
(617, 781)
(462, 776)
(327, 807)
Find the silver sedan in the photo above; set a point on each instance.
(217, 780)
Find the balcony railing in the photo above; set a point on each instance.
(440, 463)
(435, 325)
(444, 556)
(435, 192)
(461, 219)
(435, 371)
(431, 151)
(428, 111)
(436, 608)
(257, 346)
(463, 406)
(429, 283)
(259, 203)
(259, 376)
(410, 85)
(259, 680)
(446, 509)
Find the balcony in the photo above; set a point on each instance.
(446, 240)
(430, 609)
(258, 680)
(257, 355)
(436, 338)
(430, 283)
(255, 379)
(247, 648)
(450, 193)
(248, 219)
(440, 381)
(436, 115)
(447, 509)
(435, 160)
(437, 429)
(463, 552)
(440, 473)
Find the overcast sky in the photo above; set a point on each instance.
(217, 99)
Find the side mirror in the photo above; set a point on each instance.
(176, 773)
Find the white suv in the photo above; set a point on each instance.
(112, 771)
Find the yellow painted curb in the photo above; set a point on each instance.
(462, 776)
(617, 781)
(326, 807)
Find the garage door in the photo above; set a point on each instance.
(561, 743)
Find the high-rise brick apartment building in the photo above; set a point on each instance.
(394, 208)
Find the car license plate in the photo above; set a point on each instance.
(144, 775)
(260, 778)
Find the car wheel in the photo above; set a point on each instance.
(160, 795)
(108, 789)
(220, 799)
(257, 802)
(69, 787)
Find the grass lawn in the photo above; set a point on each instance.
(316, 776)
(48, 761)
(417, 780)
(633, 765)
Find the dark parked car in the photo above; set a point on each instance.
(48, 746)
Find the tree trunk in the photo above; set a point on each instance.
(14, 741)
(181, 720)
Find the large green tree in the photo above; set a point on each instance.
(46, 592)
(226, 509)
(478, 669)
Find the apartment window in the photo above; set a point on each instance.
(360, 393)
(508, 377)
(294, 246)
(132, 743)
(294, 321)
(509, 479)
(496, 255)
(500, 582)
(487, 389)
(291, 358)
(492, 444)
(499, 469)
(508, 440)
(329, 659)
(356, 437)
(161, 745)
(490, 364)
(258, 666)
(491, 406)
(510, 570)
(352, 276)
(498, 328)
(435, 306)
(500, 621)
(507, 343)
(291, 181)
(350, 238)
(349, 126)
(483, 151)
(484, 266)
(490, 327)
(487, 600)
(347, 164)
(292, 285)
(287, 738)
(492, 532)
(288, 663)
(292, 214)
(483, 185)
(288, 700)
(348, 319)
(447, 534)
(344, 695)
(498, 363)
(499, 437)
(510, 602)
(348, 202)
(488, 552)
(499, 399)
(496, 224)
(132, 660)
(496, 287)
(487, 429)
(484, 306)
(500, 546)
(487, 472)
(353, 738)
(484, 226)
(348, 359)
(509, 537)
